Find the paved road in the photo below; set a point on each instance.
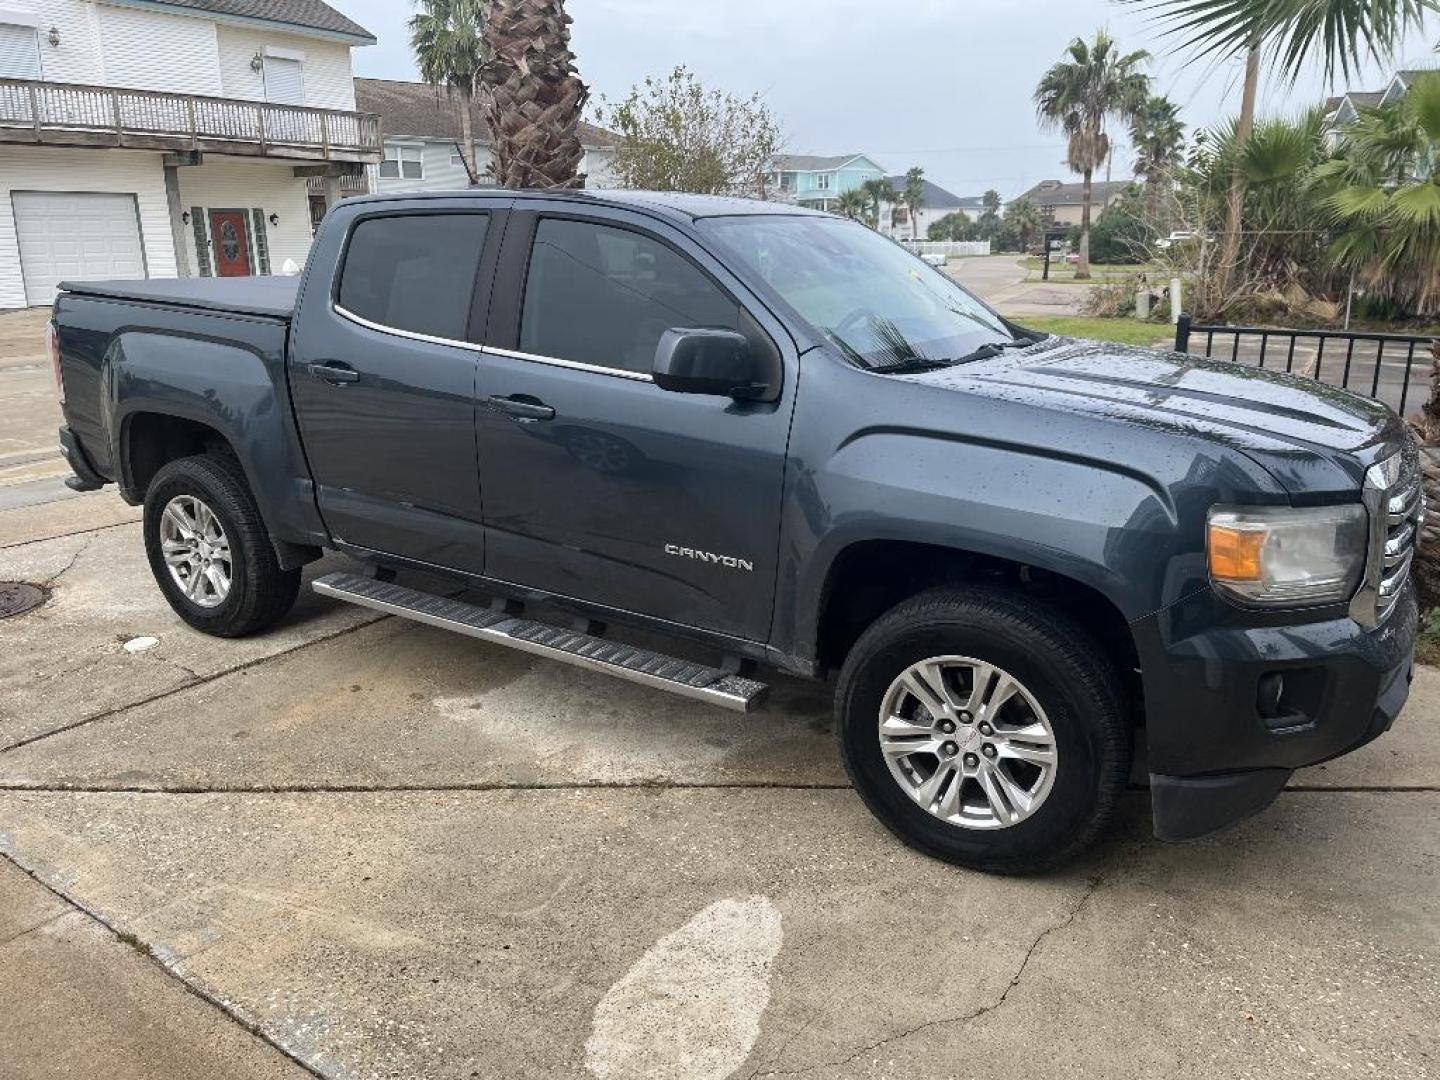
(357, 847)
(1000, 281)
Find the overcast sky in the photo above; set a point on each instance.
(944, 84)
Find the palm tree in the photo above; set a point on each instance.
(913, 197)
(1344, 32)
(879, 192)
(1157, 134)
(447, 36)
(852, 204)
(1078, 96)
(1022, 217)
(532, 94)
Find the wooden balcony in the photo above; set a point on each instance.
(70, 114)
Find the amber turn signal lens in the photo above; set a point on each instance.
(1235, 553)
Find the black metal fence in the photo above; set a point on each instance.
(1392, 368)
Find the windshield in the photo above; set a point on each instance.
(879, 304)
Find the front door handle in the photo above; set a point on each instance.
(335, 373)
(522, 408)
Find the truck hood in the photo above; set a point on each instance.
(1313, 438)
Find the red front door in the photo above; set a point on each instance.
(230, 243)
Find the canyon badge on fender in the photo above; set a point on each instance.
(710, 557)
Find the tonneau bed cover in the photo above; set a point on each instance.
(269, 296)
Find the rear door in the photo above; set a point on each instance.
(383, 373)
(598, 484)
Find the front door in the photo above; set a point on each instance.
(383, 380)
(231, 243)
(598, 484)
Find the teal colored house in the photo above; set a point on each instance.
(816, 181)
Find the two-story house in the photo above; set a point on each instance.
(935, 203)
(816, 181)
(420, 125)
(156, 138)
(1062, 204)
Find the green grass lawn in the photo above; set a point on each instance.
(1123, 331)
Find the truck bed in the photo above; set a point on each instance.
(269, 296)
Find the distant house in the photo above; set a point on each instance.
(1344, 110)
(935, 204)
(1062, 204)
(164, 138)
(818, 182)
(420, 125)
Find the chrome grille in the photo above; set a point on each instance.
(1395, 495)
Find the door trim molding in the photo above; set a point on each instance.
(574, 365)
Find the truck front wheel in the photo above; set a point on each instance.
(984, 728)
(209, 550)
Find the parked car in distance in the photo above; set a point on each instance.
(1023, 560)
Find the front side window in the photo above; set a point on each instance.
(880, 305)
(823, 181)
(403, 161)
(603, 296)
(414, 271)
(19, 52)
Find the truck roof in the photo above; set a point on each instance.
(269, 296)
(680, 204)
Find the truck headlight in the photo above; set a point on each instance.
(1288, 557)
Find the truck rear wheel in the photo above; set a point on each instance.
(209, 550)
(984, 728)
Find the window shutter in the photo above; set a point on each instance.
(19, 52)
(262, 244)
(202, 241)
(284, 84)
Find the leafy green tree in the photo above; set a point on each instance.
(879, 192)
(953, 226)
(1078, 96)
(1339, 33)
(448, 39)
(678, 136)
(1382, 192)
(852, 204)
(1022, 218)
(913, 196)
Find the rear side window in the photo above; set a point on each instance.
(603, 296)
(414, 271)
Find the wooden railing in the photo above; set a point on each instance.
(71, 114)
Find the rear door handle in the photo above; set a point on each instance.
(522, 408)
(335, 373)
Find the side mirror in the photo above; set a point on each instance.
(701, 361)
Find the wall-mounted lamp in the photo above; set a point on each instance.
(257, 63)
(54, 37)
(274, 219)
(185, 217)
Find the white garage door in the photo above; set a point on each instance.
(72, 236)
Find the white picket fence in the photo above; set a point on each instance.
(948, 248)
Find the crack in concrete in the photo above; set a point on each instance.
(31, 929)
(963, 1018)
(149, 956)
(197, 680)
(49, 583)
(412, 789)
(64, 535)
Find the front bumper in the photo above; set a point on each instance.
(1218, 751)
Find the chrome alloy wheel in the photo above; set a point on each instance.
(196, 551)
(967, 742)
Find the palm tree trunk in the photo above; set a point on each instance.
(467, 138)
(1230, 250)
(1082, 269)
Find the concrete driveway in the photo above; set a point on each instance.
(999, 280)
(357, 847)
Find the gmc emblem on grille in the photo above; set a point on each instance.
(729, 561)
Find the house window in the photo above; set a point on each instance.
(284, 81)
(402, 161)
(822, 182)
(19, 52)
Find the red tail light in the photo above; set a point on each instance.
(52, 346)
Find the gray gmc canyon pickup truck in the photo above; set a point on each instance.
(1026, 559)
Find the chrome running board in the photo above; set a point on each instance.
(683, 677)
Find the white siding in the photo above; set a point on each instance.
(77, 57)
(597, 167)
(149, 50)
(24, 168)
(244, 183)
(440, 175)
(329, 83)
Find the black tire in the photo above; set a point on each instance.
(260, 592)
(1067, 672)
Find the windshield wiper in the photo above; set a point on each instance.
(988, 350)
